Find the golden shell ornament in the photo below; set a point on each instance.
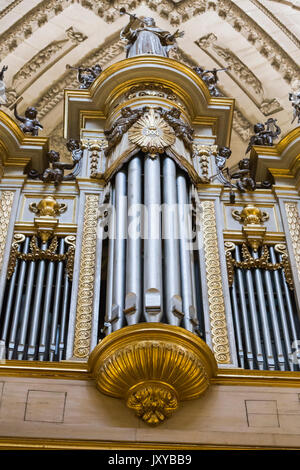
(151, 133)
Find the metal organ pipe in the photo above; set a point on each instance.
(284, 313)
(185, 259)
(18, 302)
(152, 243)
(274, 320)
(110, 267)
(36, 308)
(133, 299)
(119, 251)
(248, 343)
(56, 304)
(264, 317)
(46, 311)
(171, 244)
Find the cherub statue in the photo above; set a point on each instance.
(3, 99)
(30, 125)
(147, 38)
(264, 135)
(245, 181)
(221, 159)
(87, 75)
(210, 78)
(172, 117)
(295, 99)
(122, 124)
(56, 172)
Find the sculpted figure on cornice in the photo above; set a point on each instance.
(264, 133)
(55, 173)
(86, 75)
(210, 78)
(29, 123)
(147, 38)
(295, 100)
(3, 99)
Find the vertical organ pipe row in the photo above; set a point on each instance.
(34, 311)
(264, 295)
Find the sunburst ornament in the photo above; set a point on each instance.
(151, 133)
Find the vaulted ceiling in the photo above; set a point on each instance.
(257, 40)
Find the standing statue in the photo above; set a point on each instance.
(295, 99)
(264, 135)
(30, 125)
(86, 75)
(147, 39)
(182, 130)
(210, 78)
(3, 99)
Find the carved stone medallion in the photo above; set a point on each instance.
(151, 133)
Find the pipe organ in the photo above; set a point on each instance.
(143, 267)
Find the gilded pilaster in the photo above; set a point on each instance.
(293, 218)
(84, 310)
(216, 303)
(6, 202)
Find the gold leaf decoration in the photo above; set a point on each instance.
(151, 133)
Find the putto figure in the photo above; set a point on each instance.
(29, 123)
(86, 75)
(3, 99)
(147, 39)
(56, 172)
(295, 100)
(264, 133)
(210, 78)
(245, 181)
(172, 117)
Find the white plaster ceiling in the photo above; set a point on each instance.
(258, 40)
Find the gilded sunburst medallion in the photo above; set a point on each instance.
(151, 133)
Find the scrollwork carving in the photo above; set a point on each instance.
(86, 278)
(217, 315)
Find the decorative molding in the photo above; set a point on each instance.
(86, 278)
(36, 253)
(293, 218)
(58, 143)
(248, 262)
(204, 153)
(241, 125)
(238, 70)
(55, 93)
(9, 8)
(214, 283)
(6, 202)
(276, 21)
